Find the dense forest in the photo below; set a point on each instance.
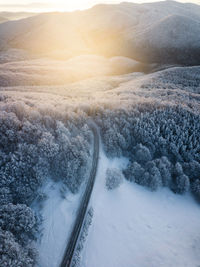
(160, 137)
(34, 148)
(154, 120)
(162, 145)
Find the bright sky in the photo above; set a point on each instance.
(61, 5)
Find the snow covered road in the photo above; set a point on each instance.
(58, 218)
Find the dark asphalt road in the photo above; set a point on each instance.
(70, 249)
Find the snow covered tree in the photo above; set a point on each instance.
(5, 196)
(114, 178)
(196, 188)
(192, 169)
(134, 172)
(12, 253)
(143, 154)
(152, 178)
(165, 169)
(163, 133)
(18, 219)
(182, 184)
(178, 169)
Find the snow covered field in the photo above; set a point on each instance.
(59, 215)
(134, 227)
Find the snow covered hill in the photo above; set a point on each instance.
(2, 19)
(173, 39)
(53, 72)
(16, 15)
(157, 32)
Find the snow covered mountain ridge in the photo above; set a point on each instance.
(166, 32)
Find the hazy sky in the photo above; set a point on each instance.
(61, 5)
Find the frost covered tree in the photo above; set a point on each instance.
(142, 154)
(162, 133)
(165, 168)
(114, 178)
(134, 172)
(148, 175)
(72, 158)
(26, 167)
(35, 146)
(192, 169)
(152, 177)
(12, 253)
(5, 196)
(19, 220)
(196, 188)
(182, 183)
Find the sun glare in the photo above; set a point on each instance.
(63, 5)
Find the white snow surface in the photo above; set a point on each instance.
(134, 227)
(58, 215)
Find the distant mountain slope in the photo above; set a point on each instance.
(158, 32)
(175, 38)
(16, 15)
(11, 55)
(2, 19)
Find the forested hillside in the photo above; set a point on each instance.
(35, 145)
(153, 120)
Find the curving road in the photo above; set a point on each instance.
(70, 249)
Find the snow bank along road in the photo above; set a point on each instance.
(67, 258)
